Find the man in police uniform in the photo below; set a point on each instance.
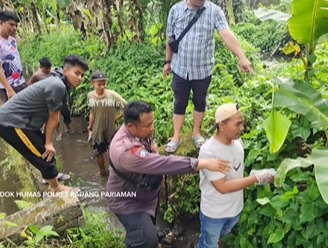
(137, 167)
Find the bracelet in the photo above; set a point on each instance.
(90, 129)
(167, 62)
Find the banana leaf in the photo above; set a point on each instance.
(276, 127)
(320, 158)
(270, 14)
(288, 164)
(309, 21)
(323, 38)
(303, 99)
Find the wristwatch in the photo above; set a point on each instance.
(167, 62)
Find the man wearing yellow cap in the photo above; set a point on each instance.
(222, 194)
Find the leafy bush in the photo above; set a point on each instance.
(286, 216)
(96, 233)
(268, 35)
(56, 47)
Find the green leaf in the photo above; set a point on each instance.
(277, 236)
(268, 210)
(310, 228)
(2, 215)
(323, 39)
(312, 191)
(34, 229)
(290, 217)
(276, 127)
(288, 164)
(45, 229)
(263, 201)
(308, 212)
(277, 203)
(289, 194)
(309, 20)
(270, 14)
(303, 99)
(319, 158)
(302, 130)
(320, 238)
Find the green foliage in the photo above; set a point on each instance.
(185, 200)
(292, 215)
(309, 21)
(95, 234)
(276, 136)
(303, 99)
(39, 234)
(286, 165)
(266, 36)
(57, 46)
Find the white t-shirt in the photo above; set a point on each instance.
(213, 204)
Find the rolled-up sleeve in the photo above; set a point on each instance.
(138, 160)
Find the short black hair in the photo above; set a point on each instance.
(75, 60)
(134, 110)
(7, 15)
(45, 62)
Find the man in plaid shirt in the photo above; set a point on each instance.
(192, 65)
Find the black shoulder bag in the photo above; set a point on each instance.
(174, 43)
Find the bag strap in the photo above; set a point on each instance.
(122, 175)
(191, 23)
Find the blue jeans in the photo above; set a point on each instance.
(211, 230)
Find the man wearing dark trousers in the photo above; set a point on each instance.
(137, 171)
(23, 116)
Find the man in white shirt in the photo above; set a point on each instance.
(222, 194)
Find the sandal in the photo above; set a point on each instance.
(171, 146)
(198, 141)
(60, 177)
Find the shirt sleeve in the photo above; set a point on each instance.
(220, 20)
(170, 23)
(138, 160)
(211, 175)
(120, 101)
(54, 97)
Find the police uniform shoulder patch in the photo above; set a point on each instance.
(139, 152)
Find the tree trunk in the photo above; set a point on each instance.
(35, 16)
(108, 22)
(57, 18)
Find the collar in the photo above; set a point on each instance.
(58, 72)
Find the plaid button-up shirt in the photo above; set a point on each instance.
(195, 58)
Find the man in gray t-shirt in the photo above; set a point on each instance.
(222, 194)
(23, 116)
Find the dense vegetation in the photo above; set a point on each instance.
(292, 215)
